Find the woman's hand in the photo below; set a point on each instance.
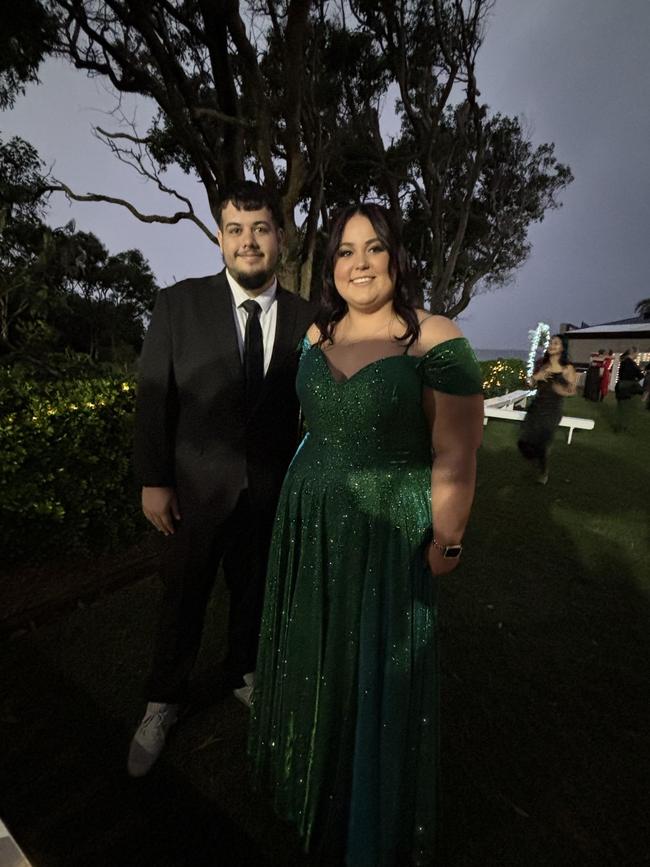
(565, 386)
(438, 564)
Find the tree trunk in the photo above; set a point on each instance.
(289, 275)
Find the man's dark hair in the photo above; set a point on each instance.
(249, 196)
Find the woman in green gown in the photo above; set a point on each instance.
(344, 727)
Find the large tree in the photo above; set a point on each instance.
(108, 299)
(25, 244)
(60, 288)
(299, 93)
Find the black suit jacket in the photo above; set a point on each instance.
(192, 429)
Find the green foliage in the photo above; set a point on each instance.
(65, 469)
(21, 181)
(502, 375)
(27, 30)
(47, 368)
(107, 299)
(26, 244)
(61, 288)
(300, 99)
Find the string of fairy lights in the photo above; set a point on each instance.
(43, 409)
(501, 370)
(540, 336)
(500, 375)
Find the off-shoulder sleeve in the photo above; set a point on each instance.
(303, 347)
(452, 367)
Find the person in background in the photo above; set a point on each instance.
(605, 379)
(592, 387)
(646, 386)
(627, 387)
(555, 378)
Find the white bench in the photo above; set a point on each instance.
(519, 415)
(510, 400)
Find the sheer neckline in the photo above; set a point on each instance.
(378, 361)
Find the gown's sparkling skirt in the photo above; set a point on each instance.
(345, 714)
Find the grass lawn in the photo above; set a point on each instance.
(545, 635)
(546, 651)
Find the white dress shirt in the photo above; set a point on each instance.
(268, 316)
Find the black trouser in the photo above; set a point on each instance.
(195, 551)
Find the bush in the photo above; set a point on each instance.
(65, 457)
(65, 465)
(502, 375)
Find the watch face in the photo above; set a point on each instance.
(452, 551)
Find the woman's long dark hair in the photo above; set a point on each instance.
(564, 358)
(333, 307)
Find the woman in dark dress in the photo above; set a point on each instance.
(344, 728)
(594, 375)
(555, 378)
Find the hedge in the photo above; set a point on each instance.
(65, 460)
(65, 465)
(502, 375)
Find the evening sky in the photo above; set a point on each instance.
(577, 73)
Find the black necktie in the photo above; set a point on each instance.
(253, 352)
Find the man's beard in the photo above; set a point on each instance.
(253, 281)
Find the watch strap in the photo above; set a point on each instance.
(450, 552)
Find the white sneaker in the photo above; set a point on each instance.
(245, 693)
(149, 739)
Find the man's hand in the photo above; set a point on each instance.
(160, 506)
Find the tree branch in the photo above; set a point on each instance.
(254, 91)
(204, 111)
(144, 218)
(136, 161)
(123, 135)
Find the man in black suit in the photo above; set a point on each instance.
(216, 427)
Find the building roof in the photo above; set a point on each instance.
(631, 320)
(631, 325)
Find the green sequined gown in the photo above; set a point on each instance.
(345, 712)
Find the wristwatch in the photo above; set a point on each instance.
(449, 552)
